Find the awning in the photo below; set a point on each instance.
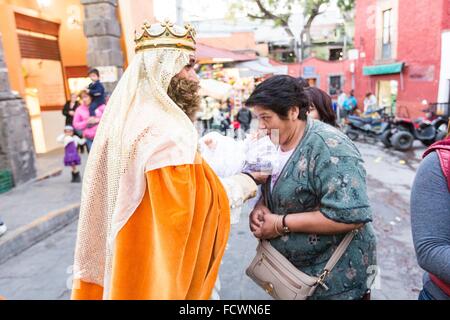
(215, 89)
(383, 69)
(259, 68)
(207, 55)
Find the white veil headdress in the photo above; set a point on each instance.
(141, 129)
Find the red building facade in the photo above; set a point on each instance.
(399, 51)
(330, 76)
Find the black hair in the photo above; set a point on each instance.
(303, 82)
(322, 102)
(280, 94)
(94, 71)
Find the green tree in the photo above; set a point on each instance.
(280, 11)
(347, 8)
(311, 10)
(277, 11)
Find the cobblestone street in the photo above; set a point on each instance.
(44, 270)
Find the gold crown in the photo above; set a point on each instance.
(165, 35)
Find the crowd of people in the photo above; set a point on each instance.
(217, 115)
(224, 117)
(83, 113)
(348, 104)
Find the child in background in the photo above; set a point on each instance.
(2, 229)
(71, 156)
(97, 92)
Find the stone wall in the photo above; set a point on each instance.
(102, 28)
(17, 152)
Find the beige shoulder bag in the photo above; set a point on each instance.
(281, 279)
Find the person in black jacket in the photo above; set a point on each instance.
(69, 111)
(70, 107)
(244, 117)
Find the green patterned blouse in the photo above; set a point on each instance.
(326, 173)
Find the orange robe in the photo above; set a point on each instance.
(172, 246)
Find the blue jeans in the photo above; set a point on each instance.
(89, 144)
(425, 295)
(92, 107)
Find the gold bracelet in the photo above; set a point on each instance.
(275, 227)
(279, 219)
(280, 223)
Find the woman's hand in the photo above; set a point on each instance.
(256, 218)
(271, 227)
(262, 223)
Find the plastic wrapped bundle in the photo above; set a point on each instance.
(261, 155)
(224, 155)
(229, 158)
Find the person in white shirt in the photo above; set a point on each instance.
(341, 99)
(370, 103)
(3, 228)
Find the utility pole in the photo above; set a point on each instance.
(179, 4)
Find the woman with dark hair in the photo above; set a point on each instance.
(321, 106)
(315, 196)
(70, 107)
(303, 82)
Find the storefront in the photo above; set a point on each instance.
(46, 54)
(43, 42)
(386, 79)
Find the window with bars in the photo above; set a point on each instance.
(335, 85)
(387, 34)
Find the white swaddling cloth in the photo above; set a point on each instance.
(228, 158)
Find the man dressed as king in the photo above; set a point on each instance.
(154, 217)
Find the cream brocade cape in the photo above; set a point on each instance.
(144, 146)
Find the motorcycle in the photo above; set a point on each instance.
(428, 130)
(440, 115)
(372, 125)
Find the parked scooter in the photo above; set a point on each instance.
(428, 130)
(372, 125)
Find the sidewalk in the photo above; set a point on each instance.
(40, 207)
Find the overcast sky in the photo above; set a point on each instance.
(193, 9)
(198, 9)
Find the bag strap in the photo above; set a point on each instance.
(337, 255)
